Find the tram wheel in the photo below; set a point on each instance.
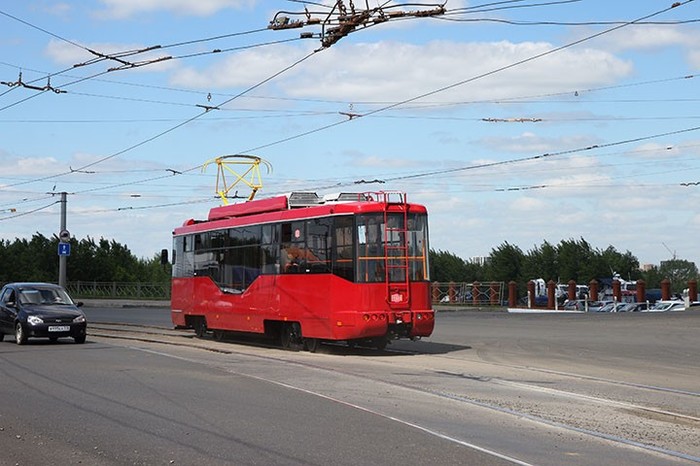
(380, 343)
(311, 344)
(290, 337)
(200, 327)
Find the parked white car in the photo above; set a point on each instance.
(666, 306)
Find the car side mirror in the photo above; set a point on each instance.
(10, 304)
(79, 304)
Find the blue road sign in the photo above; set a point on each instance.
(64, 249)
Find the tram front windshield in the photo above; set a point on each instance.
(387, 249)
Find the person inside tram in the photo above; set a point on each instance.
(296, 259)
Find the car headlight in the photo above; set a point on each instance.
(34, 320)
(79, 319)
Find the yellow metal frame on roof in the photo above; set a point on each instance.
(251, 177)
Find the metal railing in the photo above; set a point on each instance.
(461, 293)
(119, 290)
(469, 294)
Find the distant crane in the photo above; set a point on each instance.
(673, 253)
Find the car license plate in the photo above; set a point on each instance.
(59, 328)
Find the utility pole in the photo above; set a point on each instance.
(64, 238)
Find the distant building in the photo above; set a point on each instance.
(479, 260)
(646, 267)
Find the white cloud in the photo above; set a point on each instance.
(396, 71)
(241, 69)
(392, 71)
(58, 9)
(534, 144)
(694, 58)
(126, 8)
(529, 204)
(650, 37)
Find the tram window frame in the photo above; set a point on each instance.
(370, 250)
(343, 260)
(270, 249)
(270, 233)
(319, 239)
(246, 235)
(219, 239)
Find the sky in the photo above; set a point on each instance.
(519, 121)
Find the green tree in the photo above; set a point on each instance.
(37, 260)
(446, 267)
(541, 262)
(154, 271)
(505, 263)
(626, 265)
(679, 272)
(652, 278)
(574, 259)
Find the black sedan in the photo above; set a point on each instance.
(40, 310)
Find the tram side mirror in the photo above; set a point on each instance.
(164, 257)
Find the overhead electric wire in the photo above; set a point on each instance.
(231, 49)
(44, 92)
(561, 23)
(45, 31)
(545, 155)
(426, 105)
(209, 39)
(167, 131)
(492, 7)
(418, 97)
(119, 55)
(469, 80)
(29, 212)
(385, 108)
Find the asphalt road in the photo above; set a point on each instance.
(487, 388)
(101, 404)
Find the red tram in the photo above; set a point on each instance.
(304, 269)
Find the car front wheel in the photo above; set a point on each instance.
(20, 335)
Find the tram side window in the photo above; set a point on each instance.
(246, 235)
(270, 250)
(219, 239)
(418, 247)
(370, 248)
(239, 266)
(394, 237)
(238, 263)
(183, 256)
(343, 252)
(293, 247)
(318, 245)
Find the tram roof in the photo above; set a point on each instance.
(301, 205)
(293, 200)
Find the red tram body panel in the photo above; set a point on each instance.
(351, 267)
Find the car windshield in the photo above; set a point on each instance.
(36, 295)
(662, 305)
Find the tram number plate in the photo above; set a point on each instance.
(59, 328)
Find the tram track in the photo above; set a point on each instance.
(521, 392)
